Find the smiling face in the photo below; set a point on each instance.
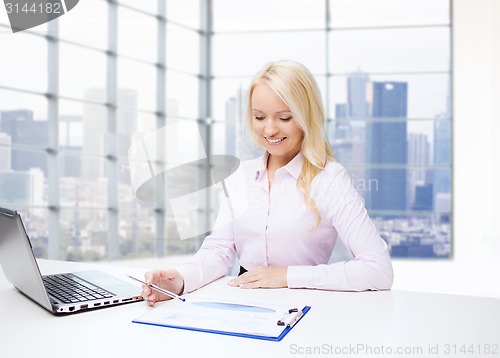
(274, 125)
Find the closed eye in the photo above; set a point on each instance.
(286, 119)
(259, 118)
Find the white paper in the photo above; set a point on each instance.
(209, 313)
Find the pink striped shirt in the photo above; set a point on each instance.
(272, 227)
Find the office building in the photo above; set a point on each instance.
(442, 156)
(386, 144)
(98, 134)
(26, 188)
(5, 152)
(245, 147)
(23, 129)
(358, 95)
(70, 142)
(412, 248)
(348, 139)
(423, 199)
(357, 109)
(419, 155)
(340, 137)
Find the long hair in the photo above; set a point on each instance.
(297, 88)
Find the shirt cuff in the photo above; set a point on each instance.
(300, 276)
(190, 275)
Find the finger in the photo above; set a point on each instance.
(151, 302)
(146, 291)
(252, 277)
(234, 282)
(249, 285)
(149, 296)
(152, 298)
(244, 280)
(239, 280)
(149, 277)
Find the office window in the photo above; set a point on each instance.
(87, 26)
(179, 39)
(18, 69)
(384, 70)
(262, 15)
(181, 89)
(186, 13)
(75, 82)
(149, 7)
(133, 28)
(254, 50)
(136, 85)
(380, 13)
(390, 119)
(76, 93)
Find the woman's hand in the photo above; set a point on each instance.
(170, 280)
(262, 277)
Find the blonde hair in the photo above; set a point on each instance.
(297, 88)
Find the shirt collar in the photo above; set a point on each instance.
(294, 167)
(261, 166)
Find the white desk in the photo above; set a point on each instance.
(342, 324)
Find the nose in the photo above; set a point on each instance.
(270, 129)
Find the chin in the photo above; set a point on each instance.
(274, 151)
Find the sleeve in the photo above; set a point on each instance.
(370, 268)
(216, 254)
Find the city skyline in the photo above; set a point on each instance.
(350, 140)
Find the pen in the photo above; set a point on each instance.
(159, 289)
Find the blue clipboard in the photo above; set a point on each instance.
(234, 334)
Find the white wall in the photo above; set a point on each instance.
(476, 133)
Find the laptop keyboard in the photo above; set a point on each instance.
(69, 288)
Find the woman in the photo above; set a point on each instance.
(298, 201)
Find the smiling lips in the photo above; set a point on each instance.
(275, 140)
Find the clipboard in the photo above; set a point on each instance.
(270, 322)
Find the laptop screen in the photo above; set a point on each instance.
(17, 258)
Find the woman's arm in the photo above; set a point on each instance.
(343, 208)
(370, 268)
(216, 254)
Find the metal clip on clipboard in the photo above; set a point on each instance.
(290, 317)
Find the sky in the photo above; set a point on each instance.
(362, 39)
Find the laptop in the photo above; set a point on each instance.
(61, 293)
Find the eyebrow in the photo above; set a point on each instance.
(279, 112)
